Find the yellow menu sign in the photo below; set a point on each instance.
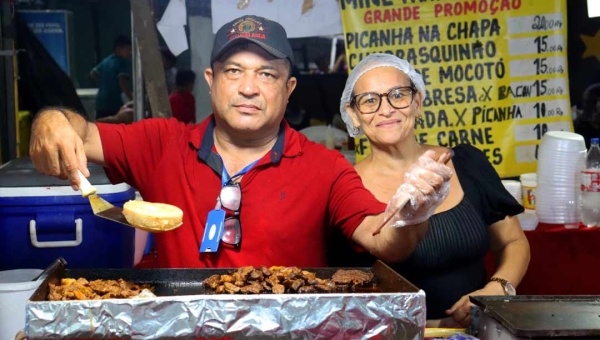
(495, 70)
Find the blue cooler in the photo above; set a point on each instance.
(42, 218)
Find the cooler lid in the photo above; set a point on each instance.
(20, 173)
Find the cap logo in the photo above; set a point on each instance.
(247, 28)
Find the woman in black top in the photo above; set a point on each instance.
(384, 99)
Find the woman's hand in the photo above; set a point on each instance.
(461, 310)
(426, 185)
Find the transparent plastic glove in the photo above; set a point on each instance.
(426, 185)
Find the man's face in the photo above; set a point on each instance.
(125, 51)
(249, 88)
(190, 87)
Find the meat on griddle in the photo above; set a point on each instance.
(82, 289)
(253, 288)
(280, 280)
(352, 276)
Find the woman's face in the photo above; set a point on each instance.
(387, 125)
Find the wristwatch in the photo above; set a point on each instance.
(509, 289)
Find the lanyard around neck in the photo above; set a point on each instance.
(225, 176)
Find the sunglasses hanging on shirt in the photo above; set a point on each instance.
(218, 226)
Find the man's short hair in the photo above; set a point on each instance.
(122, 41)
(185, 77)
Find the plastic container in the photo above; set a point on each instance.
(513, 188)
(528, 189)
(562, 141)
(590, 186)
(528, 221)
(42, 218)
(330, 138)
(16, 288)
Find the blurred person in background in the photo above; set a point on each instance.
(113, 76)
(183, 103)
(587, 122)
(383, 99)
(169, 60)
(123, 116)
(340, 65)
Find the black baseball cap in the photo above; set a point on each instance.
(269, 35)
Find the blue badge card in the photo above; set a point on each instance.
(213, 231)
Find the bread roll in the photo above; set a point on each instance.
(152, 216)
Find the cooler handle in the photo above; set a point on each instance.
(56, 244)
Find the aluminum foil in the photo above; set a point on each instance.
(289, 316)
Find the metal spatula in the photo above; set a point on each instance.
(101, 207)
(104, 209)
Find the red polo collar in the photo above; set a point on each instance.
(287, 144)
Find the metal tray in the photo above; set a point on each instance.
(544, 315)
(184, 309)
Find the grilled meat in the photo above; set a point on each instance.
(307, 290)
(254, 288)
(82, 289)
(352, 276)
(278, 289)
(272, 280)
(281, 280)
(293, 284)
(231, 288)
(327, 287)
(213, 282)
(227, 278)
(266, 271)
(257, 274)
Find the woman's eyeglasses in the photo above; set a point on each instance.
(399, 98)
(230, 199)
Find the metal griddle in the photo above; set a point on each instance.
(530, 316)
(176, 282)
(392, 309)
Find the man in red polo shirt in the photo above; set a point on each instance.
(292, 191)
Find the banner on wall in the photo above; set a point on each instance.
(54, 30)
(322, 18)
(495, 70)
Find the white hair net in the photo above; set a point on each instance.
(368, 63)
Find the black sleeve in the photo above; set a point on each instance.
(482, 185)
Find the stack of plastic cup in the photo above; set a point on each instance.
(561, 158)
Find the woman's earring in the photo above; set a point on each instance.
(419, 119)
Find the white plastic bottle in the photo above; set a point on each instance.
(590, 187)
(330, 138)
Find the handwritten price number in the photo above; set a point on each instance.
(541, 112)
(542, 68)
(541, 23)
(555, 90)
(540, 130)
(541, 88)
(542, 45)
